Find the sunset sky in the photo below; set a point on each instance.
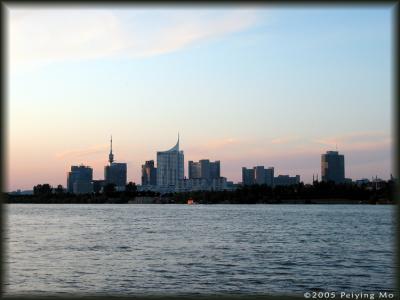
(257, 85)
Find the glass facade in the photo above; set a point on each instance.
(79, 180)
(170, 167)
(332, 167)
(116, 173)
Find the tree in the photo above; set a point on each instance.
(42, 189)
(109, 189)
(131, 189)
(59, 190)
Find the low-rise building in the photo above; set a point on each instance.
(285, 180)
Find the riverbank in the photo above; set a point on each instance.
(168, 200)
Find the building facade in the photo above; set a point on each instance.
(115, 173)
(332, 167)
(284, 180)
(170, 167)
(194, 170)
(215, 169)
(201, 184)
(258, 175)
(79, 180)
(149, 173)
(204, 169)
(248, 176)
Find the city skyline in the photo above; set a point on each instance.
(186, 175)
(246, 86)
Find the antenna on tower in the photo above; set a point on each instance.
(111, 155)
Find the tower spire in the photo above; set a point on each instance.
(111, 155)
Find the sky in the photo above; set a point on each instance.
(246, 85)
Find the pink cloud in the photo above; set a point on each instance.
(96, 149)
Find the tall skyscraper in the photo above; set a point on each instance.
(204, 169)
(332, 167)
(194, 170)
(258, 175)
(248, 176)
(149, 173)
(269, 176)
(115, 173)
(215, 169)
(170, 167)
(79, 180)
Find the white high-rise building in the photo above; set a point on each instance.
(170, 167)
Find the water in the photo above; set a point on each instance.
(202, 249)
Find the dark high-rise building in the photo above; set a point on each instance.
(248, 176)
(204, 169)
(115, 173)
(149, 173)
(79, 180)
(194, 170)
(258, 175)
(269, 176)
(332, 167)
(215, 169)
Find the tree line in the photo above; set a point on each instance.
(45, 193)
(255, 194)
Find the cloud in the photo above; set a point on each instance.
(187, 32)
(41, 36)
(221, 143)
(284, 140)
(38, 37)
(357, 140)
(96, 149)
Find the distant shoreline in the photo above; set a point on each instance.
(156, 200)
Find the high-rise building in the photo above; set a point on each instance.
(170, 167)
(194, 170)
(269, 176)
(204, 169)
(79, 180)
(149, 173)
(248, 176)
(258, 175)
(215, 169)
(332, 167)
(115, 173)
